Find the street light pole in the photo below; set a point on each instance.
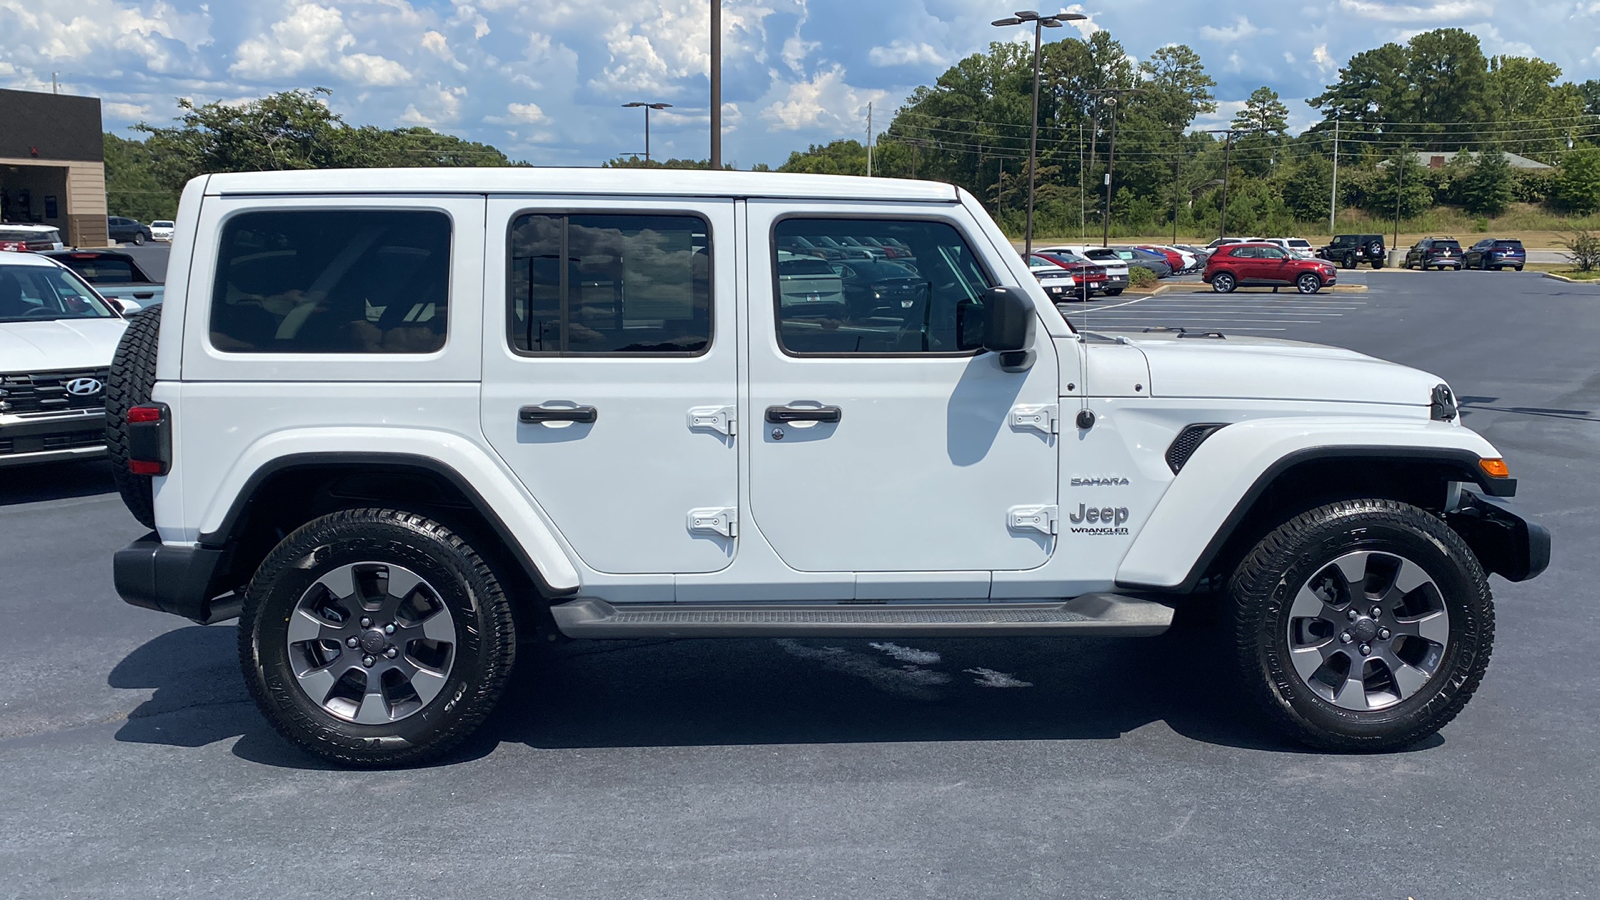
(647, 107)
(1227, 163)
(1039, 24)
(716, 84)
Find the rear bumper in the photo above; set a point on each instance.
(172, 578)
(1506, 543)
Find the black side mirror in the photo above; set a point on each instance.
(1008, 324)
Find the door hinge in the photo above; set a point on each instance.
(1045, 418)
(723, 520)
(713, 418)
(1032, 518)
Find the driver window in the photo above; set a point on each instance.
(1271, 253)
(901, 301)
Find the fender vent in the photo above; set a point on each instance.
(1188, 441)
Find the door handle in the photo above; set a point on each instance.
(779, 415)
(533, 415)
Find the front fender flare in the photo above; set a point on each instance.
(1224, 477)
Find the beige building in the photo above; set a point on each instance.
(52, 164)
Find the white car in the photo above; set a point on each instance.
(161, 230)
(587, 401)
(1116, 267)
(1056, 279)
(57, 337)
(34, 238)
(1300, 248)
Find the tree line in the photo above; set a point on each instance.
(1100, 113)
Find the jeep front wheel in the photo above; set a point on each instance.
(375, 637)
(1362, 625)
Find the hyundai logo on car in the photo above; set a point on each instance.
(84, 387)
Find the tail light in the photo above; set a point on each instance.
(17, 246)
(149, 439)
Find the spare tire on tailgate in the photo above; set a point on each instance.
(133, 375)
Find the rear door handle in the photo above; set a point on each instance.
(779, 415)
(533, 415)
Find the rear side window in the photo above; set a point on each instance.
(609, 284)
(332, 281)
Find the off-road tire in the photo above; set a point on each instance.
(1348, 261)
(133, 375)
(484, 652)
(1265, 584)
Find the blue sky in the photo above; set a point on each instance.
(544, 79)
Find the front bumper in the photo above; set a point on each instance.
(38, 438)
(1506, 543)
(173, 578)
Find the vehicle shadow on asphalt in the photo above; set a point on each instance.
(56, 481)
(687, 693)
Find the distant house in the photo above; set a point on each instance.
(1438, 159)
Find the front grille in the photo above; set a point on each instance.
(47, 443)
(1188, 441)
(47, 391)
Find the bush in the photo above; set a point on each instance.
(1583, 248)
(1577, 186)
(1140, 278)
(1487, 187)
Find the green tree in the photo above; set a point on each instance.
(1447, 84)
(1401, 175)
(132, 188)
(1487, 189)
(1307, 187)
(1176, 86)
(1371, 90)
(1578, 181)
(836, 158)
(1591, 96)
(1263, 113)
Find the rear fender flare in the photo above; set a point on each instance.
(498, 496)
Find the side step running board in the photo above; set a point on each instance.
(1089, 615)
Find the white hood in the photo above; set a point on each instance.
(61, 344)
(1269, 369)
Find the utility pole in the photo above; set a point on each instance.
(1333, 199)
(1111, 167)
(716, 84)
(1040, 23)
(1399, 190)
(55, 88)
(1082, 216)
(1227, 163)
(869, 143)
(1177, 187)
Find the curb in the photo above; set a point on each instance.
(1554, 277)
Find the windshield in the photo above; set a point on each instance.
(40, 293)
(104, 269)
(1446, 245)
(1509, 245)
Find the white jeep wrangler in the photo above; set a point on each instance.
(394, 417)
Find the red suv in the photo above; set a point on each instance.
(1265, 265)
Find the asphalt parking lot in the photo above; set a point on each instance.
(130, 755)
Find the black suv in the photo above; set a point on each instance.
(1430, 252)
(1351, 250)
(1495, 253)
(127, 231)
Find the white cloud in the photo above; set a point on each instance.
(520, 114)
(164, 40)
(1323, 59)
(313, 38)
(1238, 31)
(1288, 57)
(127, 112)
(440, 106)
(901, 52)
(824, 101)
(1443, 10)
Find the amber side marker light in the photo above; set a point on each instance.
(1495, 468)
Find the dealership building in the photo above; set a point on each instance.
(52, 164)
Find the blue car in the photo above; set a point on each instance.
(1495, 253)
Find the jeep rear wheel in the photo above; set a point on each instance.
(1362, 625)
(1223, 283)
(375, 637)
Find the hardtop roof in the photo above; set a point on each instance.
(627, 182)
